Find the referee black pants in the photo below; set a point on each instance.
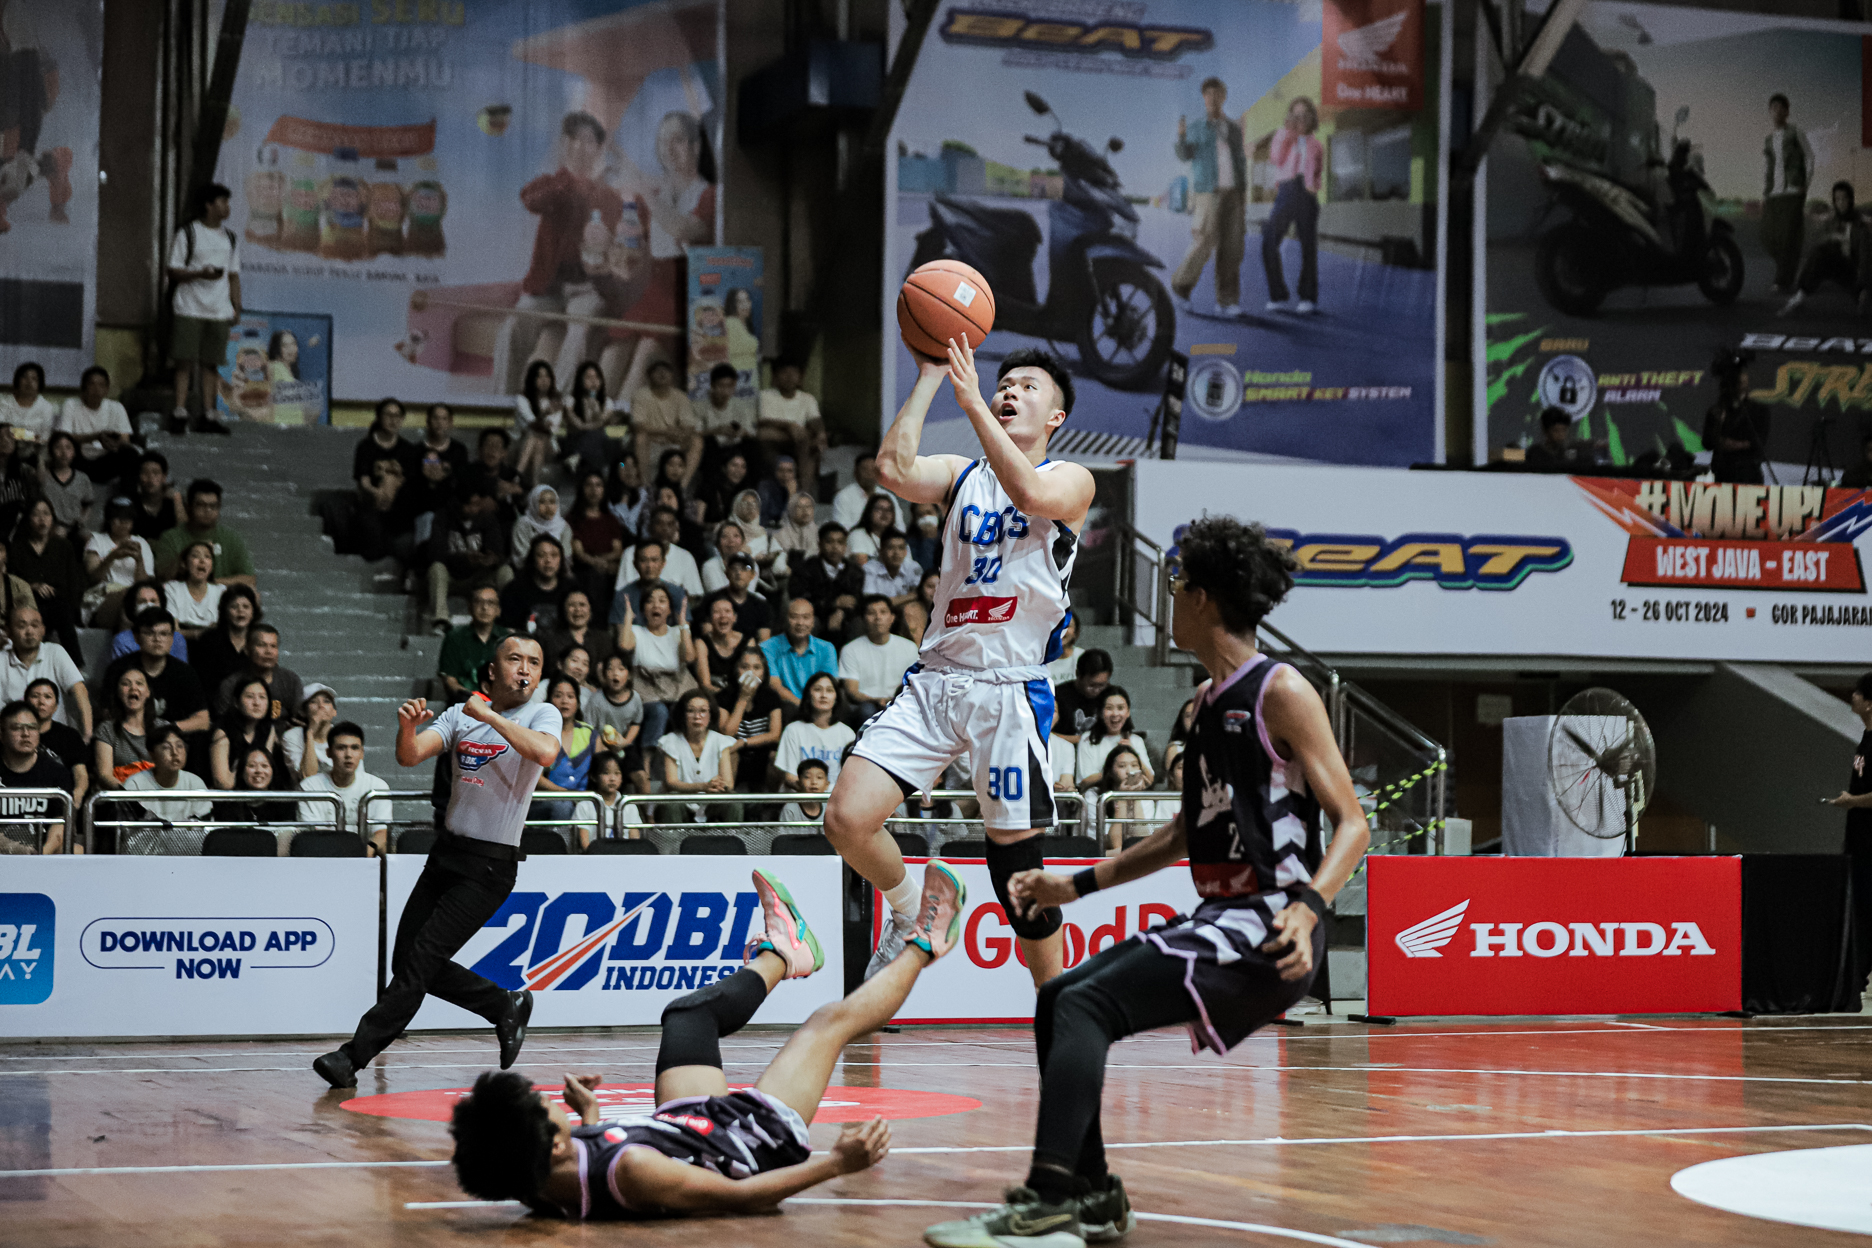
(454, 898)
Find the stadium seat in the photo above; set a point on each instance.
(542, 841)
(326, 845)
(911, 844)
(415, 841)
(615, 846)
(1069, 847)
(712, 843)
(240, 843)
(964, 849)
(805, 843)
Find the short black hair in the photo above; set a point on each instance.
(1864, 687)
(385, 402)
(891, 533)
(208, 194)
(161, 733)
(30, 366)
(1554, 416)
(1782, 100)
(97, 370)
(15, 707)
(864, 604)
(806, 763)
(503, 1138)
(723, 372)
(1047, 362)
(154, 457)
(788, 361)
(577, 121)
(150, 617)
(260, 627)
(344, 728)
(494, 433)
(604, 758)
(647, 543)
(1238, 566)
(831, 527)
(1092, 662)
(1213, 82)
(203, 485)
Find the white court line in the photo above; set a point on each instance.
(1457, 1138)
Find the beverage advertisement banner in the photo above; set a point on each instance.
(50, 78)
(725, 289)
(985, 978)
(1493, 563)
(278, 369)
(1280, 229)
(102, 946)
(1682, 182)
(1554, 935)
(610, 941)
(467, 187)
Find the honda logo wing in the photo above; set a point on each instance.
(1362, 46)
(1422, 940)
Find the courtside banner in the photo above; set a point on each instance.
(610, 941)
(1554, 935)
(1523, 564)
(145, 946)
(985, 978)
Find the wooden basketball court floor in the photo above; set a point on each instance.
(1539, 1132)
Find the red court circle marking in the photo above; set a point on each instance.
(622, 1100)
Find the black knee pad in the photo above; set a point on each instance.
(693, 1025)
(1004, 863)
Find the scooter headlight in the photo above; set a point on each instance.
(1125, 227)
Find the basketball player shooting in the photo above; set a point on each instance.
(979, 687)
(1260, 769)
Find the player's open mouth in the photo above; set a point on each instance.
(1007, 412)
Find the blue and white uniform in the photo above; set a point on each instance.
(979, 686)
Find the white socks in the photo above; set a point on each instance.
(903, 900)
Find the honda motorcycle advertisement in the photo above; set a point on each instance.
(1253, 189)
(1682, 182)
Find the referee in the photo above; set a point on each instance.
(470, 871)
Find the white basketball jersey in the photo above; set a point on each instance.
(1001, 602)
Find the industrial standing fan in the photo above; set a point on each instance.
(1601, 764)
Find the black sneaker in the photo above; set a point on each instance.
(511, 1030)
(336, 1069)
(1025, 1221)
(1105, 1215)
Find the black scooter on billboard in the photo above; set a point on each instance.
(1650, 235)
(1101, 293)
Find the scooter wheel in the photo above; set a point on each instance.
(1568, 270)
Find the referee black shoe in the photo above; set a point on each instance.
(512, 1029)
(336, 1069)
(1105, 1215)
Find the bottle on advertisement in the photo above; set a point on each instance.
(341, 232)
(266, 193)
(299, 227)
(594, 243)
(388, 204)
(427, 204)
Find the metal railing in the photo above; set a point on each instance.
(39, 824)
(1144, 589)
(153, 834)
(757, 834)
(1144, 811)
(427, 820)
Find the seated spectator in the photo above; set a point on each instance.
(914, 617)
(757, 542)
(120, 748)
(442, 462)
(70, 492)
(697, 759)
(812, 780)
(33, 658)
(795, 656)
(727, 421)
(258, 771)
(26, 764)
(662, 419)
(587, 412)
(233, 565)
(493, 473)
(925, 536)
(578, 628)
(817, 731)
(830, 581)
(1062, 763)
(384, 440)
(788, 421)
(222, 650)
(720, 486)
(872, 668)
(1556, 451)
(575, 663)
(19, 481)
(577, 742)
(616, 712)
(539, 414)
(777, 491)
(798, 534)
(348, 779)
(730, 539)
(1062, 669)
(306, 750)
(673, 469)
(542, 519)
(646, 558)
(848, 504)
(247, 725)
(747, 709)
(114, 560)
(167, 770)
(467, 552)
(1180, 731)
(63, 741)
(382, 520)
(1110, 728)
(1076, 703)
(661, 655)
(530, 603)
(50, 565)
(867, 537)
(625, 495)
(721, 644)
(597, 536)
(1123, 773)
(158, 504)
(615, 819)
(263, 652)
(25, 409)
(195, 599)
(101, 428)
(753, 613)
(679, 565)
(174, 690)
(892, 574)
(141, 595)
(468, 647)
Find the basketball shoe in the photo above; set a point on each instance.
(787, 933)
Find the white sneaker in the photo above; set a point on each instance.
(1305, 307)
(1800, 297)
(1228, 309)
(1277, 305)
(891, 943)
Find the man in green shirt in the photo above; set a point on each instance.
(467, 648)
(232, 564)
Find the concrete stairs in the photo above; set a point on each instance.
(1157, 693)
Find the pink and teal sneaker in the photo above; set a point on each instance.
(787, 933)
(939, 920)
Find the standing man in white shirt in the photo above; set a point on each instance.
(872, 668)
(32, 658)
(789, 423)
(348, 779)
(100, 427)
(204, 264)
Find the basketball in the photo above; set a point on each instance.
(941, 300)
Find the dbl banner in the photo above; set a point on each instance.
(1554, 935)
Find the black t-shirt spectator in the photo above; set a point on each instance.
(823, 587)
(489, 480)
(175, 693)
(214, 658)
(64, 744)
(407, 454)
(750, 616)
(438, 494)
(1076, 711)
(525, 599)
(151, 525)
(751, 771)
(46, 772)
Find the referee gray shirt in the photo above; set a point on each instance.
(493, 782)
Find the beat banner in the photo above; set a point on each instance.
(1554, 935)
(608, 942)
(985, 979)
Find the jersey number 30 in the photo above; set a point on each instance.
(1004, 783)
(986, 571)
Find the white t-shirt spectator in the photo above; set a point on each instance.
(679, 568)
(1065, 669)
(714, 575)
(36, 419)
(693, 770)
(803, 740)
(52, 663)
(849, 503)
(214, 247)
(1061, 760)
(878, 579)
(125, 570)
(175, 808)
(727, 425)
(798, 410)
(878, 669)
(81, 422)
(189, 613)
(1090, 758)
(350, 795)
(654, 653)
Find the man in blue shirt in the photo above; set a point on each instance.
(793, 659)
(1218, 198)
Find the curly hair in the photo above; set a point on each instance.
(503, 1139)
(1241, 570)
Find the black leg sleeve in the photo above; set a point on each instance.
(694, 1025)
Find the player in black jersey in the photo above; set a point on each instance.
(705, 1149)
(1260, 768)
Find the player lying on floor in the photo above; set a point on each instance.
(705, 1149)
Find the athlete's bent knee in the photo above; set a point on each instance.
(1004, 863)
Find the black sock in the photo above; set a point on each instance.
(1050, 1183)
(694, 1025)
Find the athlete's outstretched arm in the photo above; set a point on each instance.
(1064, 494)
(1035, 891)
(648, 1179)
(912, 477)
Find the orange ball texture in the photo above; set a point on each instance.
(941, 300)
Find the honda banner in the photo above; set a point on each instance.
(102, 946)
(985, 979)
(1441, 563)
(610, 941)
(1554, 935)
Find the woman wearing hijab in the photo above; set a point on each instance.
(542, 519)
(760, 544)
(798, 534)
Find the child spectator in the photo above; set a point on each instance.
(812, 778)
(158, 504)
(614, 817)
(617, 713)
